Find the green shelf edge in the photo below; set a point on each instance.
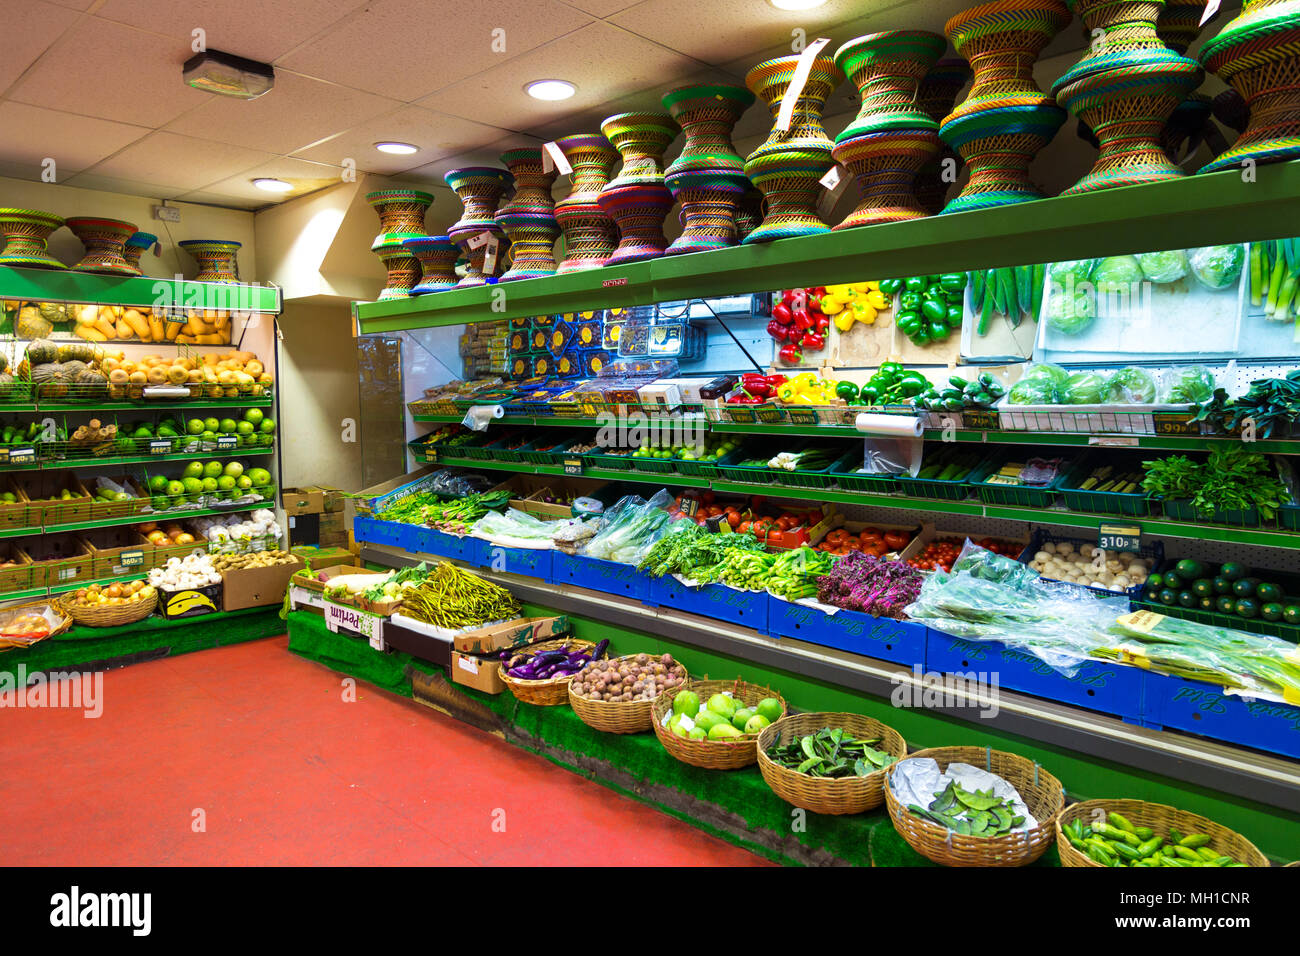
(65, 465)
(60, 285)
(1179, 213)
(154, 516)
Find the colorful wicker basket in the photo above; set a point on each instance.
(218, 259)
(589, 234)
(104, 241)
(545, 693)
(480, 189)
(937, 97)
(832, 796)
(400, 210)
(403, 268)
(636, 200)
(25, 232)
(437, 257)
(529, 217)
(1159, 818)
(622, 717)
(1040, 791)
(731, 754)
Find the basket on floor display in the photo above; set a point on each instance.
(729, 754)
(553, 691)
(1159, 818)
(1040, 791)
(111, 615)
(613, 717)
(828, 795)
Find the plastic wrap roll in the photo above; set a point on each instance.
(479, 416)
(897, 426)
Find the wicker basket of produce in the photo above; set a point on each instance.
(730, 747)
(1041, 792)
(552, 691)
(861, 788)
(120, 604)
(629, 712)
(1128, 832)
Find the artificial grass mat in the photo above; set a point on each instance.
(147, 639)
(735, 805)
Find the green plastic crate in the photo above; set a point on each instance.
(957, 489)
(1129, 504)
(535, 456)
(705, 469)
(1182, 510)
(1011, 494)
(498, 450)
(821, 478)
(1288, 516)
(656, 465)
(1254, 625)
(615, 462)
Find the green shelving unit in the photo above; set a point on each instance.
(50, 285)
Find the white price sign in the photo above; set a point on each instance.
(337, 617)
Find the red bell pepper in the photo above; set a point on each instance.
(791, 354)
(803, 319)
(813, 341)
(781, 313)
(777, 330)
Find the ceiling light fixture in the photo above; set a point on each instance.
(228, 75)
(273, 185)
(397, 149)
(796, 4)
(550, 89)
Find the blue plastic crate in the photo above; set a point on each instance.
(374, 531)
(1203, 709)
(713, 600)
(531, 562)
(902, 642)
(433, 541)
(1103, 686)
(607, 576)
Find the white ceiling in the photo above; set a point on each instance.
(96, 84)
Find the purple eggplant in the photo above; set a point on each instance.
(600, 650)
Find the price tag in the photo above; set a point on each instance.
(690, 507)
(553, 158)
(795, 90)
(227, 443)
(573, 466)
(1211, 9)
(1174, 423)
(20, 456)
(431, 454)
(160, 446)
(131, 559)
(69, 574)
(981, 419)
(1119, 537)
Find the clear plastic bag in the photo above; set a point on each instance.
(892, 456)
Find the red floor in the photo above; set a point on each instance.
(285, 772)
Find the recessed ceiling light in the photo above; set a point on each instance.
(400, 149)
(273, 185)
(550, 89)
(796, 4)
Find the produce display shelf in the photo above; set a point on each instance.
(63, 464)
(20, 532)
(1188, 211)
(151, 405)
(159, 516)
(23, 595)
(45, 285)
(102, 582)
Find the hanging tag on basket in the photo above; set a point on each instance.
(1211, 9)
(490, 257)
(553, 158)
(801, 71)
(833, 184)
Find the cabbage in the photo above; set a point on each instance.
(1217, 267)
(1189, 386)
(1033, 392)
(1046, 372)
(1117, 274)
(1084, 388)
(1071, 315)
(1167, 266)
(1080, 269)
(1131, 386)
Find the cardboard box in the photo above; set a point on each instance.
(329, 573)
(475, 672)
(192, 602)
(331, 521)
(311, 500)
(256, 587)
(321, 558)
(334, 539)
(497, 637)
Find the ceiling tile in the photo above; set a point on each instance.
(487, 155)
(305, 177)
(233, 26)
(601, 8)
(435, 134)
(603, 62)
(73, 142)
(405, 51)
(73, 4)
(116, 184)
(179, 161)
(205, 198)
(114, 72)
(42, 24)
(297, 113)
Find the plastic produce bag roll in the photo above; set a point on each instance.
(899, 426)
(480, 416)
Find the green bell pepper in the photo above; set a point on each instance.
(846, 390)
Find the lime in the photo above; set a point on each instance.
(267, 426)
(194, 426)
(227, 426)
(244, 428)
(254, 416)
(211, 425)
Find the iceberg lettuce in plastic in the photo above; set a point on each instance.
(1084, 388)
(1217, 267)
(1189, 385)
(1131, 386)
(1161, 267)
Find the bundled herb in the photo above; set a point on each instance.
(1232, 478)
(863, 582)
(693, 548)
(1270, 405)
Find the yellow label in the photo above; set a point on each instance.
(1144, 622)
(1291, 695)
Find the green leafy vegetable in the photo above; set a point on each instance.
(1084, 388)
(1131, 386)
(1168, 266)
(1217, 267)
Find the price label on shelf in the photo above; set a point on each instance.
(690, 507)
(227, 443)
(573, 466)
(18, 456)
(1174, 423)
(980, 419)
(431, 454)
(160, 446)
(131, 559)
(1119, 537)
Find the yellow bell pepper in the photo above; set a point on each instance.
(877, 300)
(844, 320)
(831, 304)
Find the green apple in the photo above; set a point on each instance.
(723, 732)
(686, 702)
(756, 724)
(739, 718)
(723, 705)
(193, 470)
